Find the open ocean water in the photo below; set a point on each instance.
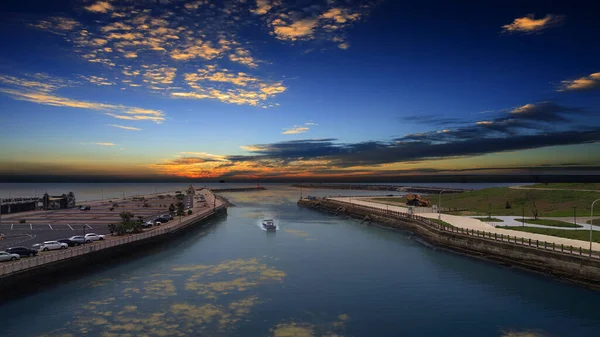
(318, 275)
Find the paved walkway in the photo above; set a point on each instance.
(470, 223)
(511, 220)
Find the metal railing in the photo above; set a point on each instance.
(24, 264)
(514, 240)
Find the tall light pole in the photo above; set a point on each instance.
(591, 224)
(575, 215)
(440, 205)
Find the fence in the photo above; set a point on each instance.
(520, 241)
(9, 268)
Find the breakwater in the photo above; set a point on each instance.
(242, 189)
(562, 262)
(26, 273)
(394, 188)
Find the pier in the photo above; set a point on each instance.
(11, 273)
(393, 188)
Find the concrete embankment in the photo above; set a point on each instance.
(561, 262)
(32, 273)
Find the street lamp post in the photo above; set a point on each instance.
(523, 217)
(440, 205)
(591, 224)
(575, 215)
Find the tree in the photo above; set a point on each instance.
(532, 205)
(126, 217)
(507, 206)
(180, 208)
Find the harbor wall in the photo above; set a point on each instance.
(54, 267)
(563, 263)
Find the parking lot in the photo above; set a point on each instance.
(28, 228)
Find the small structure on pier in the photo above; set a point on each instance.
(58, 201)
(191, 190)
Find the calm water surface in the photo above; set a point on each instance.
(318, 275)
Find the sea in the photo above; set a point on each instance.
(317, 275)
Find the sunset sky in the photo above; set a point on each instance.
(274, 88)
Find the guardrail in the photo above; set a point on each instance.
(24, 264)
(520, 241)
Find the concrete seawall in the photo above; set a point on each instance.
(559, 262)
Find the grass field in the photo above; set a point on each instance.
(570, 186)
(550, 203)
(441, 222)
(553, 223)
(487, 219)
(583, 235)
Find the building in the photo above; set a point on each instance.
(57, 202)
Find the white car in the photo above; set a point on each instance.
(93, 237)
(4, 256)
(52, 245)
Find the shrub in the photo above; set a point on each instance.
(115, 205)
(112, 208)
(22, 221)
(190, 212)
(507, 206)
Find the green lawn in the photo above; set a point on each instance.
(553, 223)
(550, 203)
(583, 235)
(487, 219)
(571, 186)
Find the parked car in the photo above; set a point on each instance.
(78, 239)
(85, 208)
(167, 216)
(69, 242)
(161, 219)
(22, 251)
(5, 256)
(93, 237)
(51, 245)
(148, 224)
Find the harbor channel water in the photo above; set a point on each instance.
(318, 275)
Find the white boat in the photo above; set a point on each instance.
(269, 225)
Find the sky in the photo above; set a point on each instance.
(268, 89)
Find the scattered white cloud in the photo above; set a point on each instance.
(100, 7)
(104, 143)
(125, 127)
(529, 24)
(295, 130)
(586, 83)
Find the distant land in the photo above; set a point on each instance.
(525, 178)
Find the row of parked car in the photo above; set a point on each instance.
(15, 253)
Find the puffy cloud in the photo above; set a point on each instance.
(104, 144)
(100, 7)
(125, 127)
(301, 29)
(591, 82)
(262, 7)
(242, 56)
(528, 24)
(57, 24)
